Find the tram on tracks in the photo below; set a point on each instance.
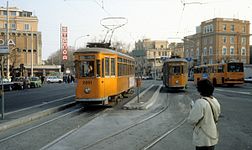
(175, 73)
(102, 73)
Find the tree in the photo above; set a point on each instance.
(56, 59)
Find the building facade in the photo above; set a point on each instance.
(219, 40)
(24, 38)
(149, 56)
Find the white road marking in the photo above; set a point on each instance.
(222, 90)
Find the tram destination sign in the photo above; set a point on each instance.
(4, 50)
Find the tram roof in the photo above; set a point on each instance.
(101, 50)
(176, 60)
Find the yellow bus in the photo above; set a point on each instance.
(231, 73)
(102, 73)
(175, 73)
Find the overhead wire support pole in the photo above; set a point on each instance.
(2, 60)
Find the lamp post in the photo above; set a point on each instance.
(78, 39)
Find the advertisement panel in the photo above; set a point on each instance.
(64, 46)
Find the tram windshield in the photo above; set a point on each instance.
(175, 70)
(87, 69)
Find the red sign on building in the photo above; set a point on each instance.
(64, 46)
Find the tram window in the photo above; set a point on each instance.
(176, 69)
(112, 66)
(87, 69)
(102, 67)
(98, 65)
(107, 67)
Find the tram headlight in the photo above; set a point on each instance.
(87, 90)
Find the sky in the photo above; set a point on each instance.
(154, 19)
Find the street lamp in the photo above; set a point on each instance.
(78, 39)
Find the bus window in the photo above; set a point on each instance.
(87, 69)
(220, 69)
(235, 67)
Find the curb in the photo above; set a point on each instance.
(34, 116)
(141, 106)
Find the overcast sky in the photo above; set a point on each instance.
(154, 19)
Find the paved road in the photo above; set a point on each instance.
(19, 99)
(235, 123)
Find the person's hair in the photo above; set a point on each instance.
(205, 87)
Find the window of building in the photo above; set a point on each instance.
(232, 28)
(224, 26)
(13, 26)
(243, 51)
(5, 13)
(197, 52)
(210, 51)
(27, 27)
(243, 40)
(13, 13)
(205, 51)
(210, 40)
(224, 51)
(211, 28)
(231, 50)
(211, 61)
(159, 53)
(243, 29)
(224, 39)
(192, 53)
(231, 39)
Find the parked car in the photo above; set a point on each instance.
(53, 79)
(21, 83)
(8, 86)
(248, 80)
(35, 82)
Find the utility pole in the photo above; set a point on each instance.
(2, 60)
(31, 52)
(7, 40)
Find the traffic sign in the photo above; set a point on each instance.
(188, 59)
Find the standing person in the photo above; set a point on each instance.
(42, 79)
(204, 116)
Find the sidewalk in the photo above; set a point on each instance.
(146, 99)
(24, 116)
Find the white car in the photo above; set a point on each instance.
(248, 79)
(53, 79)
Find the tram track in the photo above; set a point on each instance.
(141, 122)
(49, 124)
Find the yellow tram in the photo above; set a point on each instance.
(102, 73)
(175, 73)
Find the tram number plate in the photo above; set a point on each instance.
(87, 82)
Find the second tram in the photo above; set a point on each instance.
(175, 73)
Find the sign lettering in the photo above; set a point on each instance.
(64, 45)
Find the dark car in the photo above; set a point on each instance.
(7, 85)
(21, 83)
